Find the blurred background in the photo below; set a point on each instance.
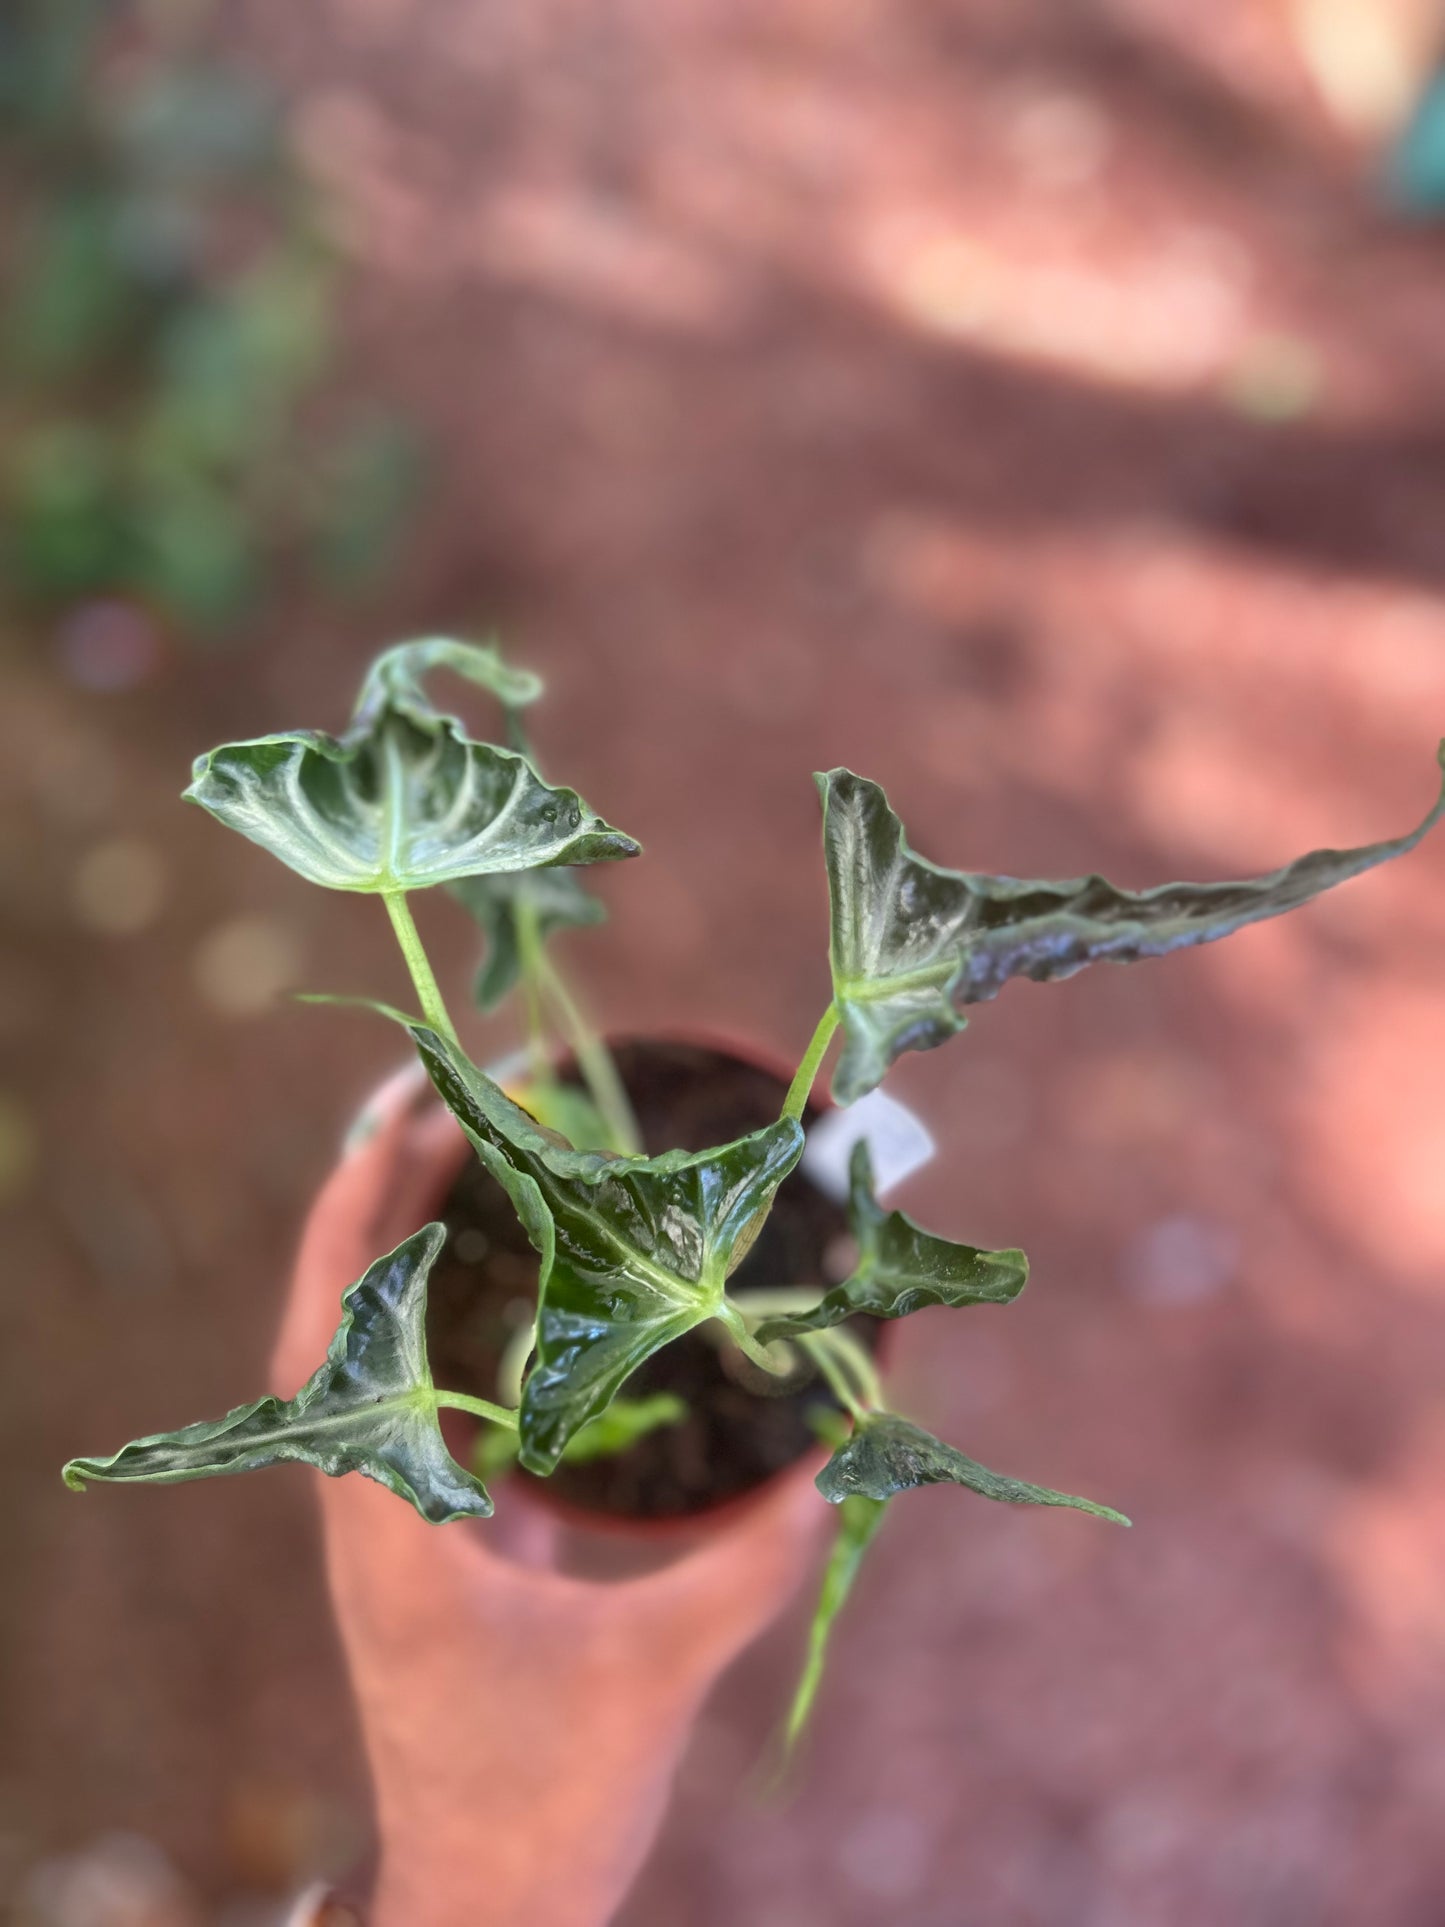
(1038, 405)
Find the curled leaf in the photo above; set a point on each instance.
(635, 1251)
(888, 1454)
(395, 681)
(902, 1268)
(370, 1408)
(398, 807)
(913, 943)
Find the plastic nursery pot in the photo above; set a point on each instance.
(522, 1722)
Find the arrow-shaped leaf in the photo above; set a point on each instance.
(399, 806)
(888, 1454)
(913, 943)
(635, 1251)
(371, 1408)
(554, 899)
(902, 1268)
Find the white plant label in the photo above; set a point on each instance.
(899, 1143)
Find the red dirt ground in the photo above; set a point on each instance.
(1027, 405)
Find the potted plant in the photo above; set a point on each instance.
(631, 1300)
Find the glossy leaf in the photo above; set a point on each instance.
(635, 1251)
(912, 943)
(902, 1268)
(370, 1408)
(888, 1454)
(555, 900)
(395, 681)
(398, 807)
(858, 1522)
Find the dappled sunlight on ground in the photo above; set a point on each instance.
(1031, 407)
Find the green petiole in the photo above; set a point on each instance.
(859, 1520)
(594, 1060)
(799, 1091)
(857, 1361)
(479, 1408)
(433, 1006)
(543, 980)
(529, 946)
(775, 1360)
(838, 1382)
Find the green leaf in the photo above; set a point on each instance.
(619, 1428)
(568, 1111)
(888, 1454)
(495, 1452)
(635, 1251)
(912, 943)
(395, 680)
(859, 1521)
(398, 807)
(902, 1268)
(371, 1407)
(554, 898)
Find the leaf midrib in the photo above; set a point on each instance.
(875, 989)
(420, 1398)
(669, 1285)
(392, 811)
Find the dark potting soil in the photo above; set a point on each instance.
(741, 1427)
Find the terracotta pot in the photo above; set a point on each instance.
(522, 1725)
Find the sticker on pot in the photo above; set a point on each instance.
(899, 1143)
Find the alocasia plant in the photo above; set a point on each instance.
(638, 1250)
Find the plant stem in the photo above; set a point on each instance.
(763, 1356)
(855, 1356)
(428, 995)
(529, 949)
(594, 1060)
(479, 1407)
(818, 1350)
(801, 1087)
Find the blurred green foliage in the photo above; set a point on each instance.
(167, 284)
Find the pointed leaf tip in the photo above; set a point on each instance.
(888, 1454)
(912, 944)
(369, 1408)
(902, 1268)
